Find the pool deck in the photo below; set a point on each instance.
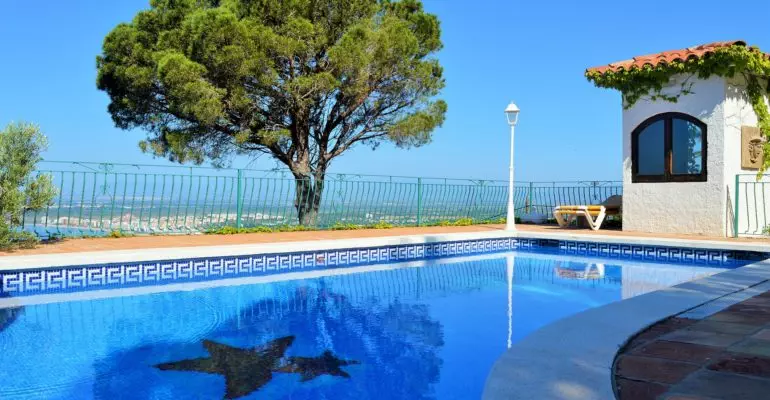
(725, 355)
(90, 251)
(540, 231)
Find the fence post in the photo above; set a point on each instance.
(419, 201)
(239, 200)
(735, 214)
(529, 199)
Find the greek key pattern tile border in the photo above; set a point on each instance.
(147, 273)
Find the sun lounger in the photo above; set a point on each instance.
(591, 271)
(593, 214)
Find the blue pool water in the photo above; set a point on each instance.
(425, 330)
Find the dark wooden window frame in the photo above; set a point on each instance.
(668, 145)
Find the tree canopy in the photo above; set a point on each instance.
(300, 80)
(21, 189)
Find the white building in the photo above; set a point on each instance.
(680, 159)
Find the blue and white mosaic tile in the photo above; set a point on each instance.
(147, 273)
(659, 253)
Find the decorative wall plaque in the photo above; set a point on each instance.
(752, 154)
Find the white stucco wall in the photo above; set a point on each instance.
(680, 207)
(705, 208)
(754, 199)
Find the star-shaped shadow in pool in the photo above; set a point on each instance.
(245, 370)
(313, 367)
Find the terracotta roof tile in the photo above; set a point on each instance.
(666, 57)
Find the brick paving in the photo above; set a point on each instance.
(154, 242)
(723, 356)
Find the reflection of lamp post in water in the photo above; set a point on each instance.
(510, 266)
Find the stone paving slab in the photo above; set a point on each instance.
(703, 338)
(722, 356)
(723, 386)
(731, 328)
(764, 334)
(720, 304)
(651, 369)
(676, 351)
(742, 364)
(752, 346)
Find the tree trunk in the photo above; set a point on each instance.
(307, 199)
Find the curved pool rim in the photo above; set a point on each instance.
(572, 359)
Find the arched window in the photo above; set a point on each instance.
(669, 147)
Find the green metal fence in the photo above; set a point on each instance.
(97, 198)
(750, 206)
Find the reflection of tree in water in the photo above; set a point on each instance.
(688, 159)
(694, 149)
(8, 315)
(396, 344)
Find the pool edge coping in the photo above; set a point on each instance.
(22, 262)
(572, 358)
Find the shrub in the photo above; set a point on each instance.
(117, 234)
(231, 230)
(293, 228)
(339, 226)
(21, 190)
(381, 225)
(463, 222)
(346, 226)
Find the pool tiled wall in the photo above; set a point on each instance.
(146, 273)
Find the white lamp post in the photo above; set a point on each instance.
(512, 114)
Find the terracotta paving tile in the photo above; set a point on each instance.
(764, 334)
(723, 327)
(674, 323)
(756, 319)
(755, 347)
(742, 364)
(753, 309)
(638, 341)
(653, 369)
(733, 345)
(635, 390)
(757, 301)
(704, 338)
(717, 385)
(677, 351)
(664, 327)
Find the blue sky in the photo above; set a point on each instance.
(532, 52)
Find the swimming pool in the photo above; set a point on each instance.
(421, 330)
